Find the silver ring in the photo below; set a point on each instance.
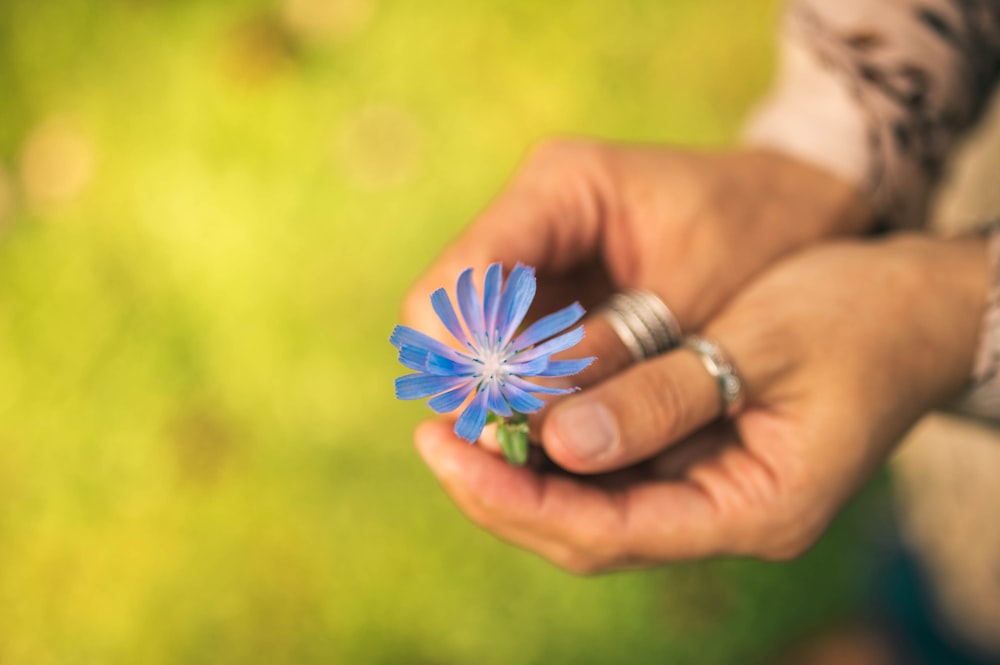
(643, 323)
(718, 364)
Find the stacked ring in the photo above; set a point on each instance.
(643, 323)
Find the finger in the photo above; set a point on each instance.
(545, 218)
(569, 521)
(610, 357)
(577, 525)
(479, 482)
(599, 342)
(704, 446)
(602, 342)
(632, 415)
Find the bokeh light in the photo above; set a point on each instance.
(56, 163)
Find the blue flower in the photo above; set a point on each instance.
(494, 363)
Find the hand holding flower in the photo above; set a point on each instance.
(841, 349)
(494, 360)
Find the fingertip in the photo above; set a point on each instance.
(581, 435)
(430, 433)
(433, 438)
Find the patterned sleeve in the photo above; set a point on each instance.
(878, 91)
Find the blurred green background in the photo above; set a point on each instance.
(208, 215)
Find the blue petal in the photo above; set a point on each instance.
(406, 336)
(472, 421)
(413, 358)
(520, 400)
(547, 326)
(492, 289)
(554, 345)
(442, 305)
(528, 367)
(529, 387)
(566, 367)
(514, 303)
(472, 308)
(418, 386)
(447, 367)
(496, 401)
(451, 400)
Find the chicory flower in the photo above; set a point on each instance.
(495, 362)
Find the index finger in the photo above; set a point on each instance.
(547, 217)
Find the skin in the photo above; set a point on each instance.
(834, 379)
(596, 217)
(841, 347)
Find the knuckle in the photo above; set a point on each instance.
(600, 548)
(784, 536)
(787, 549)
(556, 156)
(589, 555)
(556, 148)
(578, 564)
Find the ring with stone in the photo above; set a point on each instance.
(719, 365)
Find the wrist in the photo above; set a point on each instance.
(820, 203)
(950, 292)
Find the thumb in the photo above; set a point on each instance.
(633, 415)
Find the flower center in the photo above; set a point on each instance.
(494, 364)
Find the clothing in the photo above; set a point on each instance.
(880, 93)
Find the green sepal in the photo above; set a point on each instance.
(513, 437)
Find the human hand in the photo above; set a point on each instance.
(841, 348)
(594, 218)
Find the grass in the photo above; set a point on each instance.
(210, 216)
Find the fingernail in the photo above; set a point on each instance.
(587, 428)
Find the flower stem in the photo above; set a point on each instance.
(513, 436)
